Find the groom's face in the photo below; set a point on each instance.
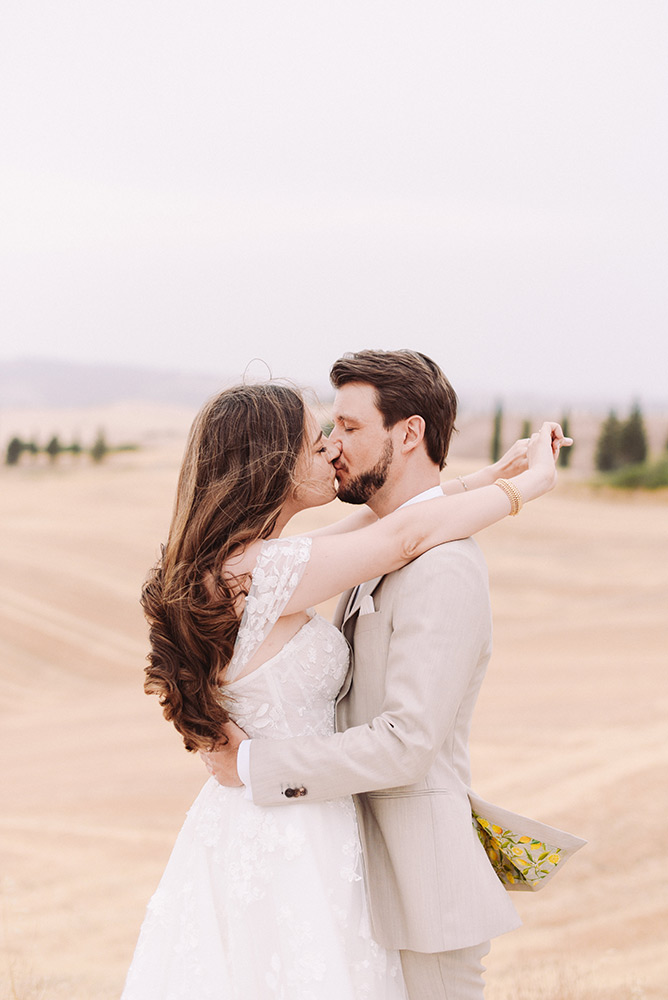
(367, 447)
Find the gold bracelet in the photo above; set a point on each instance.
(461, 480)
(513, 494)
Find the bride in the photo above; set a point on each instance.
(269, 902)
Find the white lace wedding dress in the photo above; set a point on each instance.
(269, 902)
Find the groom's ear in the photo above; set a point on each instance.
(413, 433)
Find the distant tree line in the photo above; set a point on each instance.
(97, 452)
(496, 449)
(621, 442)
(621, 455)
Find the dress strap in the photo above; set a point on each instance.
(275, 577)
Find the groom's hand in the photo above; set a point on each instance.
(222, 762)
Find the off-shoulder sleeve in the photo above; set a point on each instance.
(275, 577)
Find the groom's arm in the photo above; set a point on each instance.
(440, 632)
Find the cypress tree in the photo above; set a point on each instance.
(14, 451)
(565, 453)
(608, 453)
(53, 448)
(100, 447)
(496, 434)
(633, 439)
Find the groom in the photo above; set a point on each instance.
(421, 640)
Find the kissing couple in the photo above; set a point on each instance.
(337, 852)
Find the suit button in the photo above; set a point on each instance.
(289, 792)
(301, 791)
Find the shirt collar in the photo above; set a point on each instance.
(433, 491)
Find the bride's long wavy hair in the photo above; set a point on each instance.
(238, 470)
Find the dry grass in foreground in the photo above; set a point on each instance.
(570, 728)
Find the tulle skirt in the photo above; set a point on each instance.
(260, 903)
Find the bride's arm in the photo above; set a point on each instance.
(338, 562)
(509, 465)
(361, 518)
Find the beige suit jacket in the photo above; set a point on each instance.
(404, 715)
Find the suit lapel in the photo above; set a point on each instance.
(363, 590)
(345, 619)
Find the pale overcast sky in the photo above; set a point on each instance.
(194, 183)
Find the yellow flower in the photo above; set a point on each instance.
(497, 829)
(554, 858)
(511, 878)
(494, 842)
(517, 851)
(525, 840)
(484, 823)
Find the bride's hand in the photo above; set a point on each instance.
(543, 451)
(512, 462)
(222, 761)
(558, 440)
(515, 460)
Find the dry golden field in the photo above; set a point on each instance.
(571, 728)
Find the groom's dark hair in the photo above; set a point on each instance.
(405, 383)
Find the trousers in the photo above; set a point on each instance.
(445, 975)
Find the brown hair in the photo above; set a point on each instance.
(237, 471)
(406, 383)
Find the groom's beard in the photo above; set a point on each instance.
(361, 488)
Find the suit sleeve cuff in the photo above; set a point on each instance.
(243, 766)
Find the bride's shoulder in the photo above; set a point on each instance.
(294, 549)
(242, 560)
